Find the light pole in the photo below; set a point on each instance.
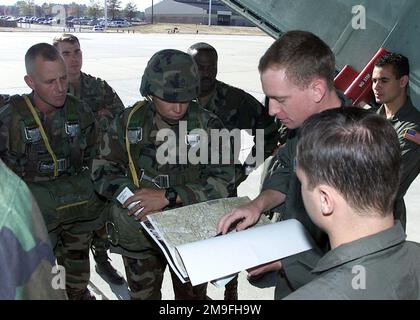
(209, 13)
(106, 13)
(152, 11)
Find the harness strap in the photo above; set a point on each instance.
(43, 134)
(131, 165)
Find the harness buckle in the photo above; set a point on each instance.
(32, 134)
(72, 128)
(135, 135)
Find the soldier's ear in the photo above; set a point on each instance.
(29, 81)
(404, 81)
(318, 88)
(326, 199)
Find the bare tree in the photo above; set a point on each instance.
(95, 9)
(130, 11)
(26, 8)
(114, 7)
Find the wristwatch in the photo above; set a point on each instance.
(171, 195)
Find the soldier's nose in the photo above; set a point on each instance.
(178, 108)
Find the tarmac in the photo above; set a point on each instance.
(120, 59)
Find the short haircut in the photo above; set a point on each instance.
(65, 37)
(303, 55)
(44, 50)
(354, 151)
(201, 46)
(398, 62)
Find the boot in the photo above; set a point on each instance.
(86, 295)
(231, 289)
(106, 270)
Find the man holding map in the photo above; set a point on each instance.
(130, 171)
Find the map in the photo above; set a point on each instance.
(195, 222)
(189, 224)
(187, 238)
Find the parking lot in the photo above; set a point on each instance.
(120, 58)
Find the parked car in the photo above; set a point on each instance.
(119, 24)
(98, 28)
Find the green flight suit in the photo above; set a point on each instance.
(382, 266)
(408, 117)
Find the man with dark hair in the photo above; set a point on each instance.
(297, 74)
(238, 109)
(354, 150)
(48, 138)
(390, 85)
(105, 104)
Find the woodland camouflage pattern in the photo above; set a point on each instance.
(171, 75)
(26, 256)
(70, 207)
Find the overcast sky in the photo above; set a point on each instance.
(141, 4)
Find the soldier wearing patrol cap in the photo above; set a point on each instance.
(48, 139)
(129, 158)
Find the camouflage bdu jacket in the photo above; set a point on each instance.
(239, 109)
(4, 99)
(55, 168)
(99, 96)
(26, 257)
(193, 182)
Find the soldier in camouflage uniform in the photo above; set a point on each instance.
(48, 139)
(105, 104)
(129, 158)
(237, 109)
(4, 99)
(23, 236)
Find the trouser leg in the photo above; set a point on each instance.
(185, 291)
(231, 289)
(145, 276)
(283, 287)
(100, 245)
(75, 259)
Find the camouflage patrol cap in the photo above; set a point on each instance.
(172, 76)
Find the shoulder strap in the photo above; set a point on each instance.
(43, 134)
(20, 104)
(131, 165)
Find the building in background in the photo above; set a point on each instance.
(194, 11)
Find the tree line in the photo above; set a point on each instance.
(95, 9)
